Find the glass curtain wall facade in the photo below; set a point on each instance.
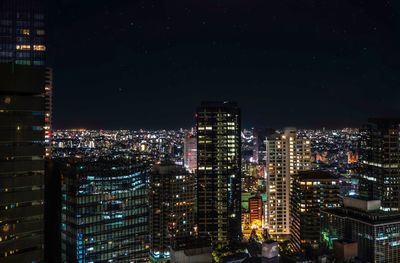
(104, 212)
(219, 171)
(380, 162)
(22, 31)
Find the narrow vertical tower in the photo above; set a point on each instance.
(286, 155)
(219, 171)
(190, 153)
(171, 198)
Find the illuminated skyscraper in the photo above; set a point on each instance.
(104, 211)
(171, 197)
(311, 192)
(219, 171)
(380, 162)
(286, 155)
(190, 153)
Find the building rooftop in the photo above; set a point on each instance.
(361, 203)
(375, 217)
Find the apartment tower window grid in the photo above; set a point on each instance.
(286, 155)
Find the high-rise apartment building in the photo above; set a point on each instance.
(287, 154)
(311, 192)
(104, 214)
(380, 162)
(172, 201)
(219, 171)
(190, 153)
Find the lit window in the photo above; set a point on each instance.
(39, 47)
(25, 32)
(23, 47)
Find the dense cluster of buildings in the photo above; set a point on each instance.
(215, 193)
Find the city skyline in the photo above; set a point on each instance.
(285, 63)
(104, 156)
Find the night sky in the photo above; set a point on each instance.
(148, 64)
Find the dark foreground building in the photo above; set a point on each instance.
(377, 232)
(171, 197)
(23, 85)
(219, 171)
(21, 163)
(380, 162)
(311, 192)
(104, 212)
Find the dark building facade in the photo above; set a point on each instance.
(22, 121)
(104, 212)
(219, 171)
(22, 32)
(171, 197)
(376, 232)
(21, 163)
(311, 192)
(380, 162)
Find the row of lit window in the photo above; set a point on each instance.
(28, 47)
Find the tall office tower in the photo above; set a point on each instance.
(287, 154)
(376, 232)
(172, 201)
(219, 171)
(190, 153)
(22, 31)
(311, 192)
(380, 162)
(21, 163)
(22, 83)
(104, 211)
